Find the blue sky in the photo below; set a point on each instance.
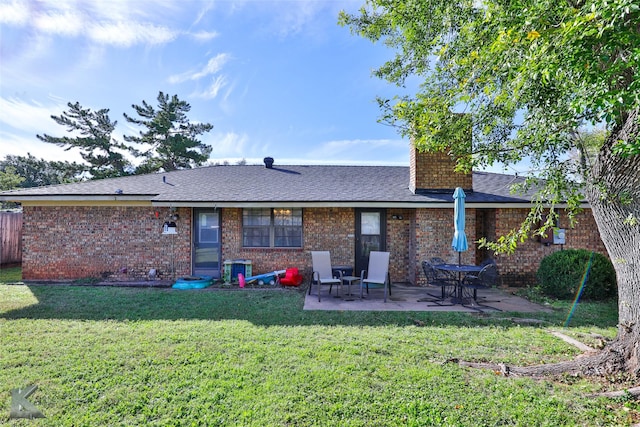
(275, 78)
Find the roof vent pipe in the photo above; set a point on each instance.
(268, 162)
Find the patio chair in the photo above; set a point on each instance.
(377, 273)
(322, 273)
(441, 274)
(487, 278)
(437, 260)
(487, 261)
(435, 279)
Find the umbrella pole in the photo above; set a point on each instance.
(460, 278)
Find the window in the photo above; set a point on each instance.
(276, 228)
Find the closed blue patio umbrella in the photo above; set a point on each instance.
(459, 243)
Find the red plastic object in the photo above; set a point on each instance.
(241, 280)
(291, 277)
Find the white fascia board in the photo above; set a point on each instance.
(81, 198)
(379, 205)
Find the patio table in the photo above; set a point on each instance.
(460, 269)
(349, 280)
(344, 272)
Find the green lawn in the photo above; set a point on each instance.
(126, 357)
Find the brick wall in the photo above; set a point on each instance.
(323, 229)
(331, 229)
(399, 229)
(433, 236)
(520, 268)
(434, 171)
(81, 242)
(119, 243)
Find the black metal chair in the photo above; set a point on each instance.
(486, 278)
(487, 262)
(449, 275)
(438, 280)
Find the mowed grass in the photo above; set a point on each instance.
(160, 357)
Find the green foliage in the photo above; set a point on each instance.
(170, 140)
(92, 132)
(9, 179)
(170, 137)
(560, 275)
(105, 356)
(38, 172)
(529, 73)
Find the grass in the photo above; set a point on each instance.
(10, 275)
(160, 357)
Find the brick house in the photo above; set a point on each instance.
(274, 215)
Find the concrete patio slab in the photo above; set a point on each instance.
(414, 298)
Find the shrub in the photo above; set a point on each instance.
(560, 275)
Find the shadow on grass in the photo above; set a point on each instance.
(267, 307)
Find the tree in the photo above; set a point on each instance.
(38, 172)
(530, 73)
(171, 139)
(9, 179)
(97, 147)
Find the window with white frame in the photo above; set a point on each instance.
(272, 228)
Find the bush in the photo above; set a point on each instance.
(560, 275)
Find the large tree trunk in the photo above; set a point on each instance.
(613, 191)
(614, 194)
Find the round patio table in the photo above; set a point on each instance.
(459, 268)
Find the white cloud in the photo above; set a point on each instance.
(212, 91)
(112, 23)
(127, 34)
(21, 121)
(214, 65)
(65, 23)
(18, 145)
(22, 116)
(207, 7)
(204, 36)
(225, 145)
(14, 13)
(293, 20)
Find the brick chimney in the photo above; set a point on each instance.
(433, 172)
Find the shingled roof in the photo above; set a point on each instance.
(253, 185)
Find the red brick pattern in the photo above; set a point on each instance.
(520, 268)
(108, 242)
(400, 224)
(433, 236)
(434, 171)
(323, 229)
(124, 243)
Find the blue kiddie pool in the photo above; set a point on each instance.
(192, 282)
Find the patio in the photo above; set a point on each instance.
(405, 298)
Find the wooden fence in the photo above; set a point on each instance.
(10, 237)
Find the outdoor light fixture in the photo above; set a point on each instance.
(169, 227)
